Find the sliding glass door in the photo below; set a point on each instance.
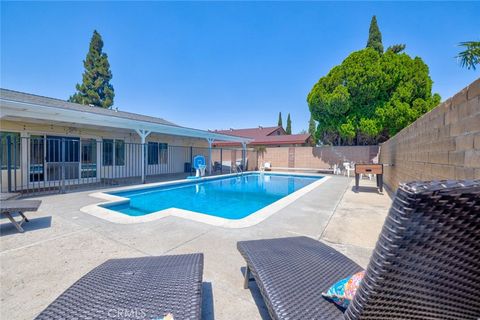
(55, 159)
(63, 158)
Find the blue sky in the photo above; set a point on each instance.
(220, 65)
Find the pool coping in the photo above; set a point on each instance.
(258, 216)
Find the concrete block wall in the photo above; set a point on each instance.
(442, 144)
(317, 157)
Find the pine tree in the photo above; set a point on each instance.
(397, 48)
(280, 124)
(312, 127)
(95, 88)
(288, 129)
(374, 36)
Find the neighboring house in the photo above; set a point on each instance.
(265, 136)
(49, 142)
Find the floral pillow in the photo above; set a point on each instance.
(343, 291)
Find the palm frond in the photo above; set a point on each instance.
(470, 57)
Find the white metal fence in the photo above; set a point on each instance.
(40, 164)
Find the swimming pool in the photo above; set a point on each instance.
(232, 197)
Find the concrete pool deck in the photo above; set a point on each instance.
(61, 244)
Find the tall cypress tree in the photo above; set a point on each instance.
(280, 124)
(95, 88)
(374, 36)
(288, 129)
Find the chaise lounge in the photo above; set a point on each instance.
(9, 207)
(426, 264)
(134, 288)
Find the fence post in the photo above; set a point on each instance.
(210, 141)
(221, 160)
(9, 163)
(62, 188)
(244, 155)
(191, 159)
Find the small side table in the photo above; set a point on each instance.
(369, 168)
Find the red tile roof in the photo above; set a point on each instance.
(261, 136)
(249, 132)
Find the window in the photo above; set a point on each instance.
(36, 149)
(89, 158)
(157, 153)
(14, 149)
(89, 151)
(107, 151)
(119, 153)
(72, 149)
(55, 147)
(163, 152)
(37, 157)
(108, 156)
(153, 153)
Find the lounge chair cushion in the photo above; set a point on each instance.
(343, 291)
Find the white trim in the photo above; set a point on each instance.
(113, 216)
(10, 108)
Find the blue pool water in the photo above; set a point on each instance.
(230, 198)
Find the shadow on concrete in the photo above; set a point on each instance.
(207, 301)
(257, 297)
(366, 189)
(7, 228)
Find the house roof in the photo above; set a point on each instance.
(282, 139)
(62, 104)
(253, 133)
(264, 136)
(20, 105)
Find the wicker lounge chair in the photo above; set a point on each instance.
(10, 207)
(426, 264)
(135, 288)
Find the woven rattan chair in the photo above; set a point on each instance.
(426, 264)
(135, 288)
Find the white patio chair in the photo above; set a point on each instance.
(348, 167)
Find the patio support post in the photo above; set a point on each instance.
(143, 135)
(244, 155)
(210, 141)
(9, 163)
(25, 138)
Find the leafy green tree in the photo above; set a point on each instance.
(470, 57)
(280, 124)
(370, 97)
(312, 128)
(288, 129)
(374, 36)
(95, 88)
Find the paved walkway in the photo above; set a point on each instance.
(61, 244)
